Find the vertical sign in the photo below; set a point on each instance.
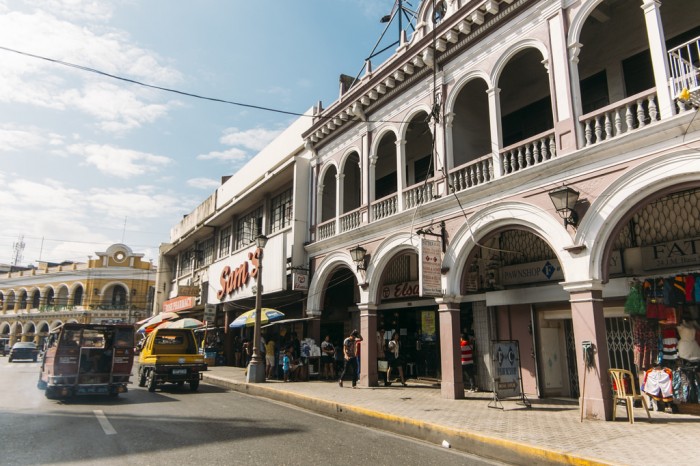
(209, 313)
(507, 379)
(429, 264)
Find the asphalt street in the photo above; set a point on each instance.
(175, 426)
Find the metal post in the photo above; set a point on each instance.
(256, 368)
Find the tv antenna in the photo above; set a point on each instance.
(18, 251)
(399, 13)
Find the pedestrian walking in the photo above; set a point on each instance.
(467, 350)
(395, 361)
(349, 353)
(327, 359)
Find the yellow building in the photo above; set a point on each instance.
(117, 286)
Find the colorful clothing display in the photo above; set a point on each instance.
(658, 383)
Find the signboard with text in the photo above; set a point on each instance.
(430, 252)
(180, 303)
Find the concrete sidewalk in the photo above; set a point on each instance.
(550, 432)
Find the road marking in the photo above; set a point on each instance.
(104, 422)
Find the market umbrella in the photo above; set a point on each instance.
(247, 319)
(156, 320)
(187, 322)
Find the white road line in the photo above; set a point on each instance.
(104, 422)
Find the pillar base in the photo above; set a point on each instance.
(256, 373)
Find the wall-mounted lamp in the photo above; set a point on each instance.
(564, 200)
(358, 255)
(261, 241)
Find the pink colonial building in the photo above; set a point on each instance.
(447, 169)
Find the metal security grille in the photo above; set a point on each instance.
(620, 348)
(571, 357)
(620, 343)
(673, 217)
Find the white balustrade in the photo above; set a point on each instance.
(325, 230)
(471, 174)
(620, 118)
(525, 154)
(384, 207)
(419, 194)
(351, 220)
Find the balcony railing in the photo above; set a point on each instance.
(351, 220)
(418, 194)
(325, 230)
(384, 207)
(471, 174)
(622, 117)
(528, 153)
(684, 62)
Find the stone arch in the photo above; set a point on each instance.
(579, 21)
(346, 156)
(5, 329)
(55, 324)
(380, 135)
(381, 257)
(323, 273)
(671, 172)
(512, 51)
(62, 294)
(462, 81)
(329, 182)
(415, 111)
(497, 217)
(43, 327)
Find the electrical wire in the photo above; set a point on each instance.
(178, 92)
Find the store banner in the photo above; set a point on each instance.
(682, 253)
(300, 281)
(180, 303)
(430, 252)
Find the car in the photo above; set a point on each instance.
(23, 350)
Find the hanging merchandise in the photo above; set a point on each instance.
(644, 333)
(670, 344)
(653, 290)
(657, 383)
(635, 304)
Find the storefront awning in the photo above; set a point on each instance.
(289, 321)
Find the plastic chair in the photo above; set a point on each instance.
(620, 392)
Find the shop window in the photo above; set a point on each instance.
(224, 242)
(185, 262)
(281, 211)
(249, 226)
(205, 252)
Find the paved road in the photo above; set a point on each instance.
(175, 426)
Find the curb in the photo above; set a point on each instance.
(469, 442)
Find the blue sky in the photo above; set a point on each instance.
(87, 161)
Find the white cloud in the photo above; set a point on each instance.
(33, 81)
(77, 9)
(255, 139)
(122, 163)
(229, 154)
(142, 202)
(206, 184)
(14, 138)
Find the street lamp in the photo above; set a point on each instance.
(256, 368)
(564, 200)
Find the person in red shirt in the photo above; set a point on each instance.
(468, 372)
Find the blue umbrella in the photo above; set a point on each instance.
(247, 319)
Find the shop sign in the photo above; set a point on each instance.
(300, 281)
(506, 369)
(430, 252)
(681, 253)
(533, 272)
(179, 304)
(233, 279)
(183, 290)
(209, 313)
(427, 321)
(400, 290)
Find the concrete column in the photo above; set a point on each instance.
(368, 354)
(339, 177)
(589, 326)
(452, 385)
(400, 171)
(657, 49)
(319, 203)
(364, 169)
(564, 123)
(449, 145)
(496, 131)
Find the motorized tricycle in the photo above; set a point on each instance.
(87, 359)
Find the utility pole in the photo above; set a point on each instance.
(18, 253)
